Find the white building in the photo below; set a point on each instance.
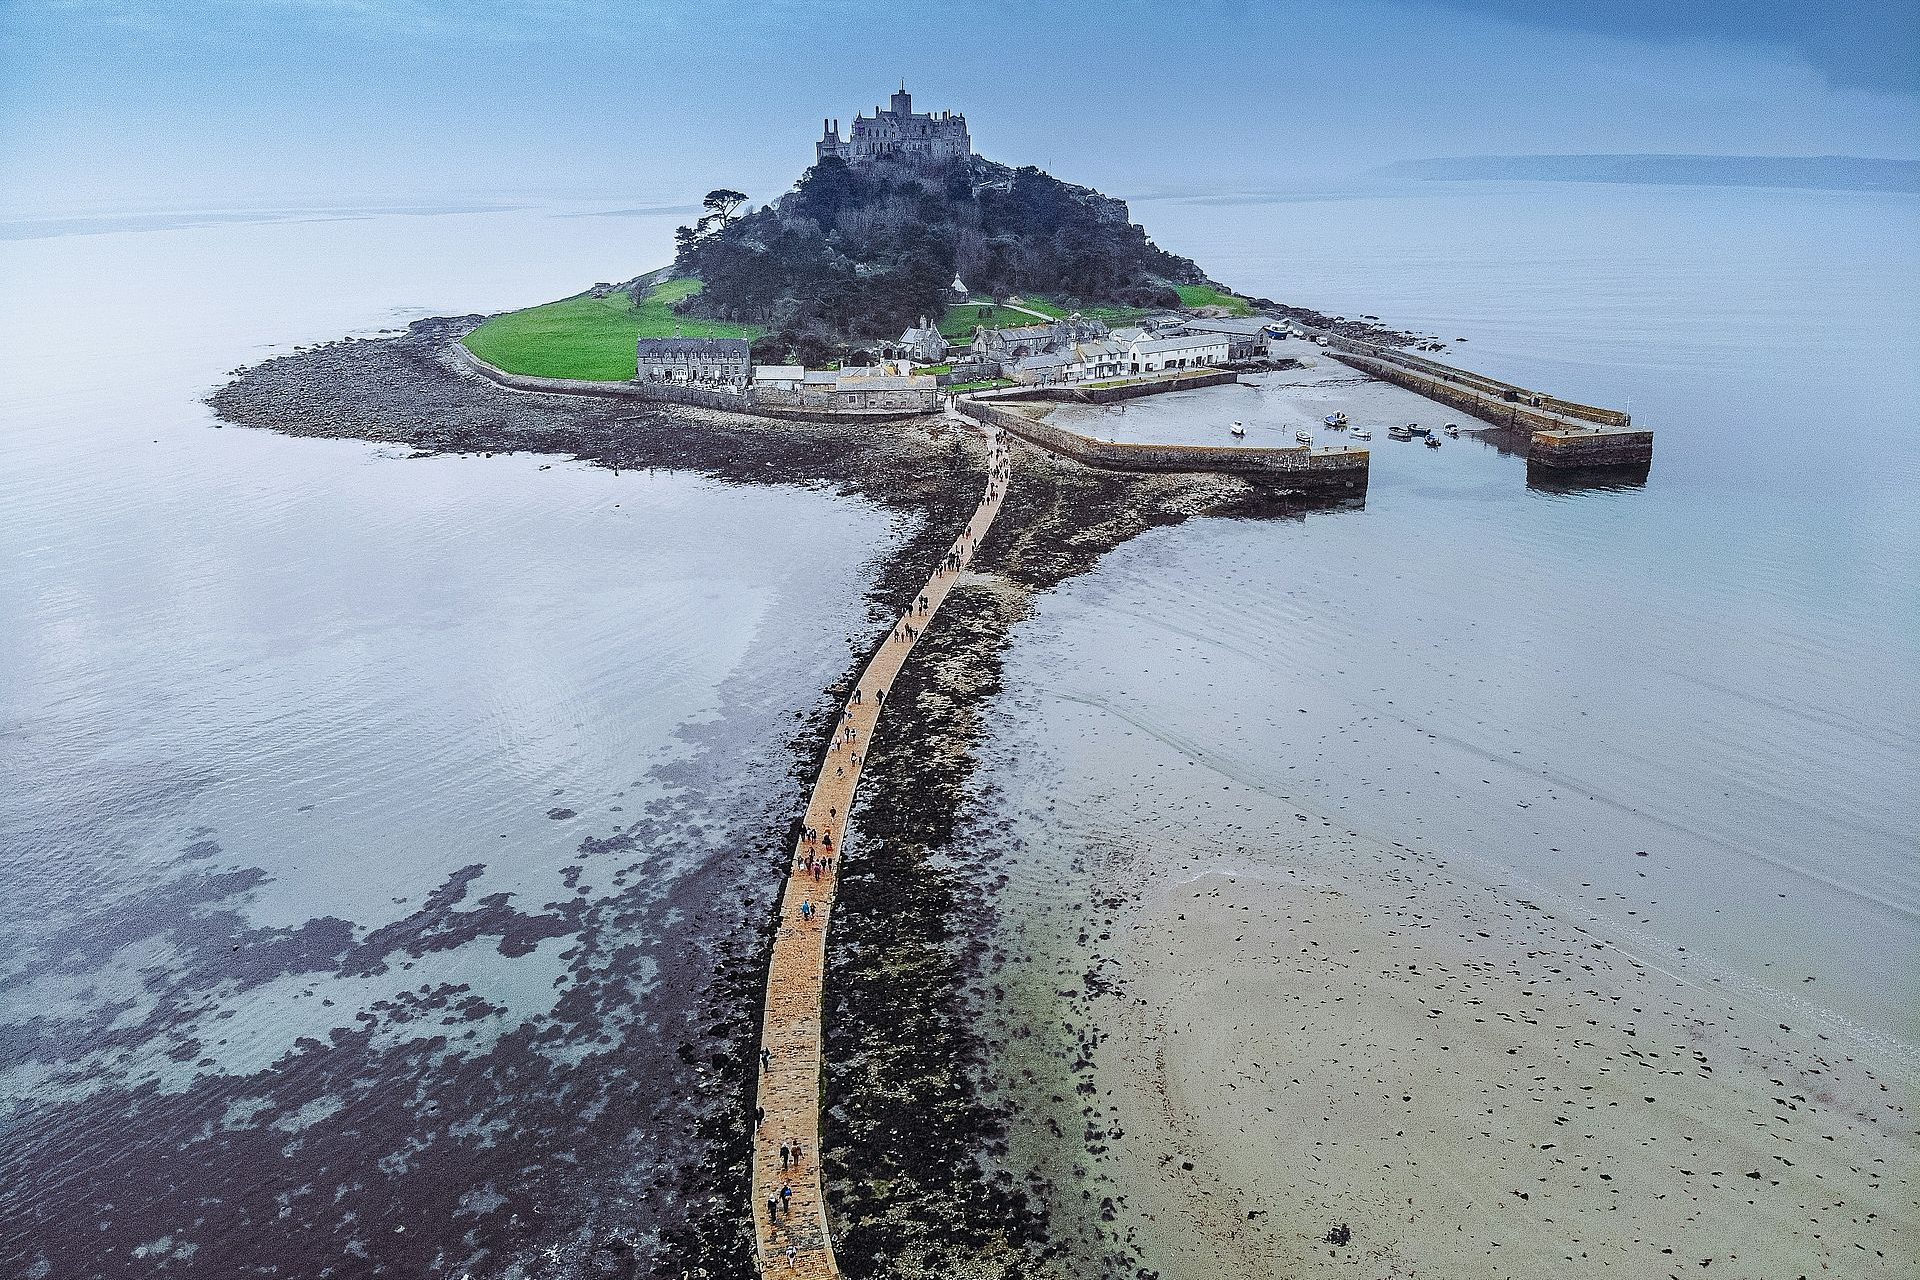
(1187, 351)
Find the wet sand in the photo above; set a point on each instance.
(1475, 1086)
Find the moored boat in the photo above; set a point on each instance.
(1304, 437)
(1433, 442)
(1336, 421)
(1453, 429)
(1361, 433)
(1239, 430)
(1419, 430)
(1400, 433)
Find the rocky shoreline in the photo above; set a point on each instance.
(903, 1110)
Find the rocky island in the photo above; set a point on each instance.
(903, 324)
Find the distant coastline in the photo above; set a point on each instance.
(1825, 173)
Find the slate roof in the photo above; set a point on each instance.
(1236, 327)
(1185, 342)
(709, 348)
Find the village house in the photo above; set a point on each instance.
(712, 361)
(1006, 348)
(923, 344)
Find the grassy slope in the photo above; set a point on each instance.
(1200, 295)
(1111, 316)
(960, 321)
(591, 338)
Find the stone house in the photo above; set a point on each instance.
(1041, 370)
(1006, 348)
(778, 377)
(721, 361)
(923, 344)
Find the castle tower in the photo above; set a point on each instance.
(902, 102)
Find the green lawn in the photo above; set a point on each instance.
(1112, 317)
(961, 320)
(591, 338)
(986, 384)
(1200, 295)
(1046, 306)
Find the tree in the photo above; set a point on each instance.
(721, 203)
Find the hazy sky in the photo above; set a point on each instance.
(205, 103)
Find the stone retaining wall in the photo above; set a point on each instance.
(1134, 390)
(1301, 467)
(790, 406)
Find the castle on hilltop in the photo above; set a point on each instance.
(897, 132)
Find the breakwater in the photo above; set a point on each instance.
(1314, 470)
(1560, 434)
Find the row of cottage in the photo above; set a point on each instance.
(726, 365)
(1072, 349)
(1077, 349)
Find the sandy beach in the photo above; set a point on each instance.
(1476, 1086)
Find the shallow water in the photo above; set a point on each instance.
(294, 954)
(371, 825)
(1719, 666)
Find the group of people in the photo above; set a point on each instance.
(816, 856)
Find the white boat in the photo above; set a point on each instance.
(1335, 421)
(1400, 433)
(1239, 430)
(1453, 430)
(1433, 442)
(1304, 437)
(1361, 433)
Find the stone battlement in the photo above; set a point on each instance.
(898, 131)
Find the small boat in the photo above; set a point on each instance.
(1304, 437)
(1433, 442)
(1239, 430)
(1400, 433)
(1453, 430)
(1419, 430)
(1335, 421)
(1361, 433)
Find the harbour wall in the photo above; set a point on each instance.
(1505, 393)
(1576, 450)
(1344, 472)
(1555, 437)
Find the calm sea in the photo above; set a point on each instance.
(368, 824)
(1719, 666)
(366, 821)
